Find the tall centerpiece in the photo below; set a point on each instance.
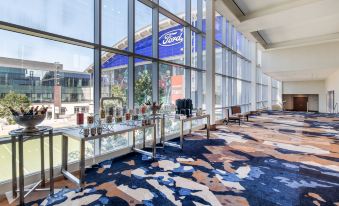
(154, 107)
(29, 119)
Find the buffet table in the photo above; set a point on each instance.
(182, 124)
(75, 133)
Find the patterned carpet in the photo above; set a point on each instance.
(276, 159)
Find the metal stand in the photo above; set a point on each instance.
(182, 123)
(20, 137)
(154, 142)
(75, 134)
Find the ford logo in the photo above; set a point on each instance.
(171, 38)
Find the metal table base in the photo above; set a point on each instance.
(80, 181)
(182, 122)
(21, 137)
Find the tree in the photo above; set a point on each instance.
(15, 101)
(143, 87)
(119, 91)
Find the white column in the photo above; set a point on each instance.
(269, 95)
(210, 59)
(253, 50)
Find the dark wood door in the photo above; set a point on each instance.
(300, 103)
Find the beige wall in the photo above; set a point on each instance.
(313, 101)
(308, 88)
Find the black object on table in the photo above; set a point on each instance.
(184, 107)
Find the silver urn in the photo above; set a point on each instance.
(29, 122)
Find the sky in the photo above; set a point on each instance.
(73, 18)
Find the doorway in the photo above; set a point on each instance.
(300, 104)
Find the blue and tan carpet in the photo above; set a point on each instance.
(275, 159)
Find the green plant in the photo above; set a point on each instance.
(118, 91)
(15, 101)
(143, 88)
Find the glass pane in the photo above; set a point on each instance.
(171, 41)
(114, 78)
(194, 6)
(177, 7)
(227, 33)
(203, 90)
(114, 82)
(218, 59)
(46, 72)
(40, 72)
(239, 42)
(197, 87)
(204, 53)
(171, 83)
(194, 49)
(143, 82)
(143, 29)
(218, 91)
(234, 38)
(115, 23)
(204, 16)
(68, 18)
(219, 114)
(218, 27)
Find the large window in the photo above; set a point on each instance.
(171, 83)
(61, 80)
(176, 7)
(262, 89)
(171, 40)
(114, 77)
(62, 74)
(76, 18)
(45, 72)
(115, 23)
(232, 68)
(142, 82)
(143, 29)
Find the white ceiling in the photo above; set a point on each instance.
(324, 25)
(250, 6)
(281, 21)
(287, 29)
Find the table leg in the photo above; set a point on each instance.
(42, 159)
(182, 134)
(208, 127)
(14, 180)
(144, 137)
(190, 130)
(154, 141)
(21, 171)
(100, 146)
(133, 139)
(51, 165)
(82, 163)
(64, 152)
(163, 130)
